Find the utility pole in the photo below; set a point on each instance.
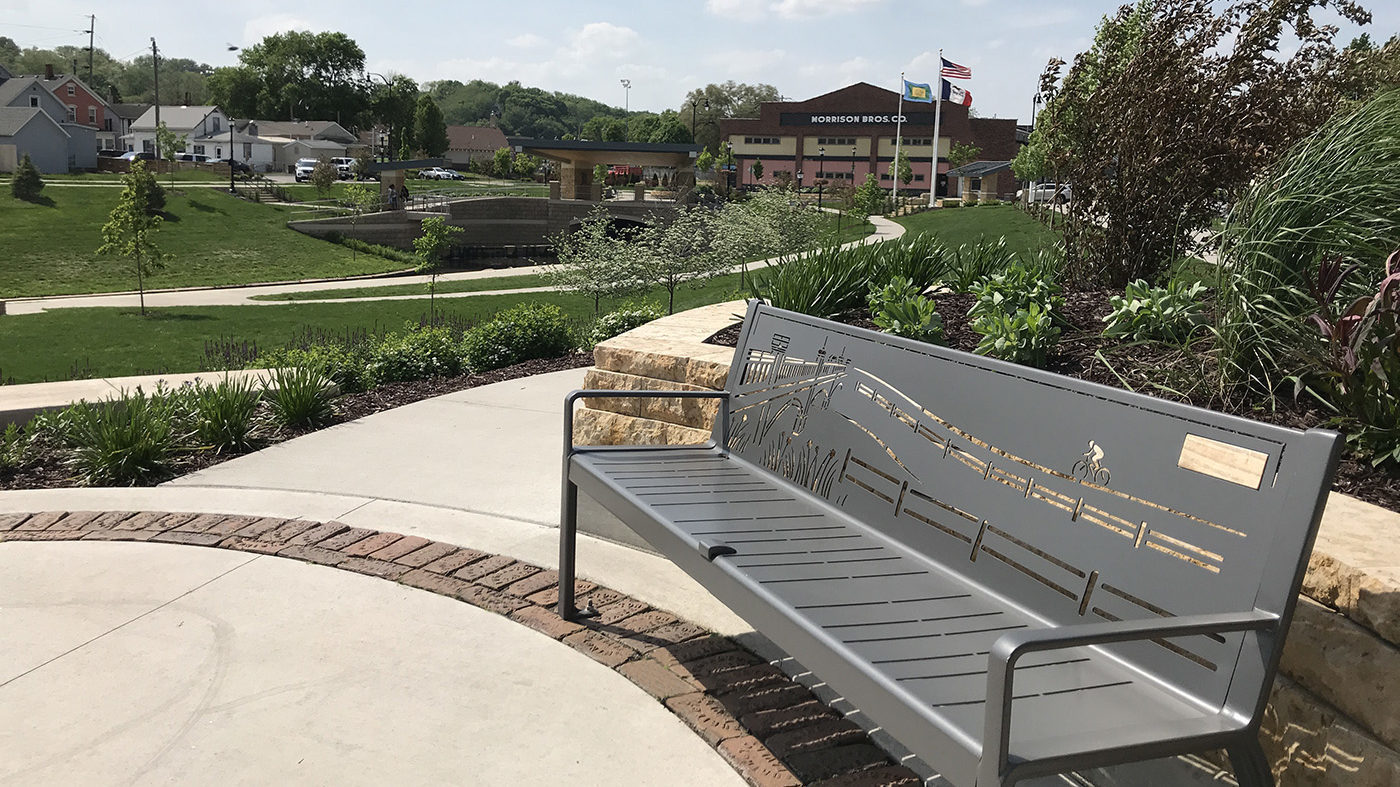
(155, 87)
(92, 27)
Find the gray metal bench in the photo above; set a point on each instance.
(1012, 572)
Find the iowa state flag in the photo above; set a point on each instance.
(922, 94)
(955, 94)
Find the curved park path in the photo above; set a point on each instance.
(243, 295)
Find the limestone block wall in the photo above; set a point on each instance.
(1334, 712)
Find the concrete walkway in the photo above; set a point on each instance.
(141, 663)
(243, 296)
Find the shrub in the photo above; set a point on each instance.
(991, 201)
(413, 355)
(299, 396)
(823, 283)
(121, 442)
(1025, 336)
(952, 203)
(26, 183)
(1172, 313)
(623, 320)
(342, 364)
(969, 200)
(522, 332)
(11, 447)
(225, 414)
(1358, 374)
(1015, 290)
(900, 309)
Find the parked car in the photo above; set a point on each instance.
(143, 155)
(304, 167)
(110, 153)
(438, 173)
(450, 174)
(1046, 192)
(344, 167)
(198, 158)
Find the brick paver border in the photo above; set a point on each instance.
(771, 729)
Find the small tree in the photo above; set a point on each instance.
(170, 144)
(681, 251)
(963, 153)
(705, 161)
(432, 242)
(360, 198)
(524, 166)
(502, 165)
(869, 196)
(757, 170)
(323, 176)
(360, 169)
(594, 262)
(901, 170)
(131, 227)
(26, 183)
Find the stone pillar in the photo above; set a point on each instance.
(685, 181)
(639, 194)
(595, 192)
(554, 190)
(568, 181)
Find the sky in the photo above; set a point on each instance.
(664, 47)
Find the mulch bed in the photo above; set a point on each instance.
(48, 472)
(1078, 355)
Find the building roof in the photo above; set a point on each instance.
(303, 129)
(4, 73)
(11, 89)
(129, 111)
(12, 119)
(979, 169)
(475, 138)
(238, 136)
(318, 144)
(176, 118)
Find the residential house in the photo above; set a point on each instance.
(124, 115)
(77, 142)
(473, 143)
(187, 122)
(84, 107)
(295, 139)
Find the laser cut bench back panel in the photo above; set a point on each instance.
(1076, 502)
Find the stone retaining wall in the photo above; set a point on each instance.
(1334, 712)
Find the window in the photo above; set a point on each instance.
(884, 176)
(33, 101)
(92, 115)
(247, 150)
(836, 140)
(214, 123)
(834, 175)
(918, 178)
(72, 114)
(72, 91)
(199, 149)
(760, 140)
(148, 146)
(974, 184)
(919, 142)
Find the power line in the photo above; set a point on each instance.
(42, 27)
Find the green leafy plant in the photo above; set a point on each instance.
(12, 446)
(225, 414)
(1172, 313)
(299, 396)
(900, 309)
(1359, 371)
(520, 333)
(122, 442)
(971, 263)
(1015, 290)
(131, 228)
(622, 320)
(1026, 336)
(416, 354)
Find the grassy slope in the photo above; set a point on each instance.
(64, 343)
(956, 226)
(213, 239)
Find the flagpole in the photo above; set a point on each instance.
(937, 119)
(898, 123)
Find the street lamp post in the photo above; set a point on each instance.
(821, 173)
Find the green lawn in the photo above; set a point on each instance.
(956, 226)
(213, 239)
(66, 343)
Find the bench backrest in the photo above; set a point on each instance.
(1077, 502)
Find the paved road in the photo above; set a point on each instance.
(242, 296)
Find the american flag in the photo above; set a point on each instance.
(951, 69)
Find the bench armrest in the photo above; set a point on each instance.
(1009, 648)
(597, 393)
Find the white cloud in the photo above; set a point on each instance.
(746, 64)
(737, 10)
(526, 41)
(255, 30)
(601, 39)
(810, 9)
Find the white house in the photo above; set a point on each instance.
(205, 130)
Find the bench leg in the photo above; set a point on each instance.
(1250, 764)
(568, 531)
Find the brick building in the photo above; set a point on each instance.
(855, 128)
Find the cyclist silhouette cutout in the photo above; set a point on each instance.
(1090, 467)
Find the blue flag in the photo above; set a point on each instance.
(913, 91)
